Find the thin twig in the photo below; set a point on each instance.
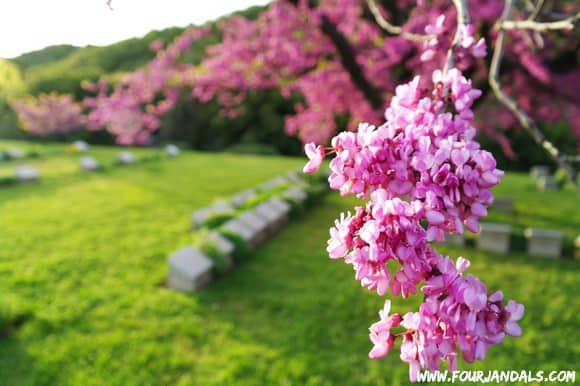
(525, 120)
(567, 23)
(536, 10)
(393, 29)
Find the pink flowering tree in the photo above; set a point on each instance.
(49, 114)
(344, 58)
(424, 176)
(132, 109)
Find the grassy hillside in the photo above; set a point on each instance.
(83, 263)
(46, 55)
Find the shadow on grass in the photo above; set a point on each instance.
(13, 356)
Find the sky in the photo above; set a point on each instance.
(27, 25)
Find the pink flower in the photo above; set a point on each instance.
(380, 332)
(315, 155)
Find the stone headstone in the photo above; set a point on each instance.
(89, 164)
(257, 223)
(26, 174)
(495, 237)
(271, 215)
(281, 205)
(577, 247)
(222, 206)
(199, 217)
(172, 150)
(189, 269)
(126, 158)
(455, 239)
(503, 204)
(275, 215)
(247, 233)
(297, 194)
(544, 242)
(80, 146)
(274, 182)
(14, 153)
(547, 183)
(539, 171)
(243, 197)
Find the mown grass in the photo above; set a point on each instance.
(83, 266)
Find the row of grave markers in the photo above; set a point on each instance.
(26, 173)
(497, 237)
(190, 269)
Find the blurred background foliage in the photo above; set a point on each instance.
(259, 129)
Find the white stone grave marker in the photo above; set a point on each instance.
(247, 233)
(274, 182)
(544, 242)
(80, 146)
(297, 194)
(495, 237)
(189, 269)
(89, 164)
(503, 204)
(26, 174)
(258, 224)
(126, 158)
(243, 197)
(172, 150)
(547, 183)
(14, 153)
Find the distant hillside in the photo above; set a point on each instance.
(45, 55)
(62, 68)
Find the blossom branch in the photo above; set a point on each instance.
(393, 29)
(525, 120)
(567, 24)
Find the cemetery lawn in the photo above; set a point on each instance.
(83, 301)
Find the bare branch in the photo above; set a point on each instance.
(393, 29)
(525, 120)
(567, 23)
(536, 10)
(462, 20)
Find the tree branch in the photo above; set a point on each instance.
(393, 29)
(525, 120)
(567, 23)
(462, 20)
(347, 57)
(349, 63)
(536, 10)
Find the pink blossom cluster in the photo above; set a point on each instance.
(421, 151)
(424, 175)
(132, 111)
(466, 46)
(49, 114)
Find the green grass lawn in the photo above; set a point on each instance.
(83, 266)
